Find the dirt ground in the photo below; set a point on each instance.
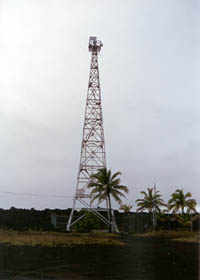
(142, 258)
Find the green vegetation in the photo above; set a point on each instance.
(105, 185)
(88, 223)
(54, 239)
(180, 201)
(151, 199)
(181, 236)
(184, 221)
(180, 214)
(126, 208)
(162, 218)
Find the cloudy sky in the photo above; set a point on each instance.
(149, 71)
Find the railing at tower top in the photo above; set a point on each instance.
(94, 44)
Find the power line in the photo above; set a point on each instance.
(39, 195)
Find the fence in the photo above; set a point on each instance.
(135, 222)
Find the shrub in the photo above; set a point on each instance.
(88, 223)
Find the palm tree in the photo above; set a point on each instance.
(185, 221)
(126, 208)
(152, 200)
(180, 201)
(104, 185)
(191, 206)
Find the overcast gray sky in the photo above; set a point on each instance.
(149, 74)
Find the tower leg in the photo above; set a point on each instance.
(71, 215)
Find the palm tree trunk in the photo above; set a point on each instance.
(110, 214)
(107, 206)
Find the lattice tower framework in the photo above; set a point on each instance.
(93, 156)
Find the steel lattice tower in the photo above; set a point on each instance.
(93, 156)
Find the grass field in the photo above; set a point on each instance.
(54, 239)
(181, 236)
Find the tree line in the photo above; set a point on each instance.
(181, 205)
(104, 185)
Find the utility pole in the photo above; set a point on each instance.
(93, 155)
(154, 209)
